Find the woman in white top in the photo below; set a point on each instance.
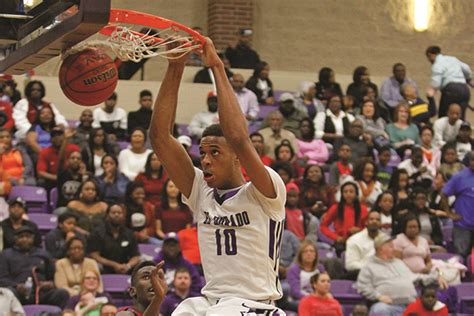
(133, 159)
(333, 123)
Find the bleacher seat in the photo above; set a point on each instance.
(123, 145)
(345, 292)
(117, 286)
(265, 110)
(53, 199)
(465, 298)
(37, 310)
(36, 198)
(148, 249)
(323, 238)
(326, 254)
(45, 222)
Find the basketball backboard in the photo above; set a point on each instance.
(34, 31)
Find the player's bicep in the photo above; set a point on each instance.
(177, 163)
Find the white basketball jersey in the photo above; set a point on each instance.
(239, 239)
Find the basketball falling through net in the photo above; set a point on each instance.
(88, 75)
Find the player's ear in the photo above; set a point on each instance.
(132, 291)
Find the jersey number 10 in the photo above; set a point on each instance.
(230, 242)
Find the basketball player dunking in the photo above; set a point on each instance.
(240, 224)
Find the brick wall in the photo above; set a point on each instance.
(226, 17)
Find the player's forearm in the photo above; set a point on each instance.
(232, 120)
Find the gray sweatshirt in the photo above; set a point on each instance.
(391, 278)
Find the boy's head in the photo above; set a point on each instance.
(67, 222)
(344, 153)
(146, 99)
(429, 296)
(384, 155)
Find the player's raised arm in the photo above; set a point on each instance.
(234, 124)
(170, 152)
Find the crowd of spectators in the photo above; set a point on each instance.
(374, 178)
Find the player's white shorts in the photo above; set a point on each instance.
(230, 306)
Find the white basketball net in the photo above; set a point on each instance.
(127, 44)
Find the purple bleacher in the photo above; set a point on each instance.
(53, 199)
(323, 238)
(117, 286)
(148, 249)
(36, 310)
(45, 222)
(394, 160)
(254, 126)
(265, 110)
(36, 198)
(194, 150)
(447, 233)
(183, 129)
(465, 298)
(123, 145)
(446, 256)
(326, 254)
(345, 292)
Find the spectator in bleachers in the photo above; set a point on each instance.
(203, 119)
(5, 188)
(361, 79)
(202, 76)
(87, 206)
(372, 123)
(464, 142)
(364, 174)
(285, 153)
(274, 134)
(96, 148)
(385, 206)
(301, 271)
(452, 77)
(380, 280)
(140, 214)
(289, 248)
(316, 196)
(307, 102)
(360, 246)
(420, 173)
(341, 168)
(112, 119)
(188, 242)
(401, 190)
(259, 144)
(461, 185)
(48, 163)
(6, 112)
(26, 110)
(320, 302)
(431, 154)
(301, 223)
(71, 268)
(112, 244)
(437, 202)
(15, 162)
(446, 128)
(384, 171)
(172, 215)
(327, 87)
(284, 170)
(427, 303)
(83, 130)
(260, 83)
(24, 261)
(90, 298)
(71, 174)
(38, 136)
(9, 304)
(333, 123)
(291, 115)
(142, 117)
(347, 217)
(108, 309)
(132, 160)
(361, 144)
(240, 54)
(10, 90)
(390, 89)
(402, 133)
(449, 162)
(17, 211)
(56, 240)
(153, 179)
(187, 144)
(311, 151)
(112, 183)
(420, 111)
(360, 310)
(171, 254)
(411, 247)
(247, 99)
(181, 290)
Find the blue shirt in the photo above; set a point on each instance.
(461, 185)
(448, 69)
(390, 91)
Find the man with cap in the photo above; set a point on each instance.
(240, 54)
(291, 115)
(17, 210)
(204, 119)
(446, 128)
(171, 254)
(246, 98)
(25, 262)
(464, 142)
(187, 143)
(274, 134)
(387, 281)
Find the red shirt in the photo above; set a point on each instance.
(7, 108)
(48, 158)
(417, 308)
(313, 305)
(295, 222)
(188, 242)
(173, 220)
(341, 228)
(153, 187)
(267, 161)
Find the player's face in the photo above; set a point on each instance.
(218, 161)
(323, 285)
(144, 292)
(182, 281)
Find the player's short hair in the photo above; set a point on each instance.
(213, 130)
(138, 267)
(145, 93)
(433, 50)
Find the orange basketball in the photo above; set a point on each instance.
(88, 77)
